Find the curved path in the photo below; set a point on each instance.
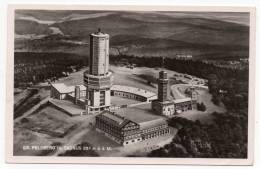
(178, 95)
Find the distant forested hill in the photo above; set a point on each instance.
(133, 33)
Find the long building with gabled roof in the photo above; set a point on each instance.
(125, 131)
(118, 128)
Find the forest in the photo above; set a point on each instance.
(32, 68)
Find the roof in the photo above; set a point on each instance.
(134, 90)
(144, 113)
(152, 123)
(116, 118)
(168, 101)
(99, 34)
(62, 88)
(119, 120)
(182, 100)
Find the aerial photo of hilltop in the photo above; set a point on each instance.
(131, 84)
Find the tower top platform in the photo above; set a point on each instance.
(99, 34)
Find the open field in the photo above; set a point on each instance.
(41, 128)
(46, 127)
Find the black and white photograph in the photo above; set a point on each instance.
(135, 84)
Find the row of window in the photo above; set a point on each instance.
(129, 95)
(132, 141)
(154, 129)
(131, 128)
(132, 136)
(108, 130)
(155, 134)
(97, 109)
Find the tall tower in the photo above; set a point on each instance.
(98, 79)
(163, 86)
(194, 97)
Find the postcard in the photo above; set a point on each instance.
(130, 84)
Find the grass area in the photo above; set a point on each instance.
(25, 100)
(205, 97)
(46, 126)
(23, 96)
(49, 121)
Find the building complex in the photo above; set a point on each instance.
(94, 97)
(77, 94)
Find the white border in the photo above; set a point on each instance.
(125, 160)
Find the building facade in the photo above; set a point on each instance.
(98, 79)
(133, 93)
(163, 86)
(166, 108)
(77, 94)
(154, 128)
(117, 128)
(125, 132)
(61, 92)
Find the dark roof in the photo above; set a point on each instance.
(152, 123)
(120, 121)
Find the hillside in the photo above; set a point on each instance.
(133, 33)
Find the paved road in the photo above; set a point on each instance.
(178, 95)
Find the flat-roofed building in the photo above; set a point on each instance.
(77, 94)
(61, 91)
(133, 93)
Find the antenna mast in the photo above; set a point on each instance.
(163, 62)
